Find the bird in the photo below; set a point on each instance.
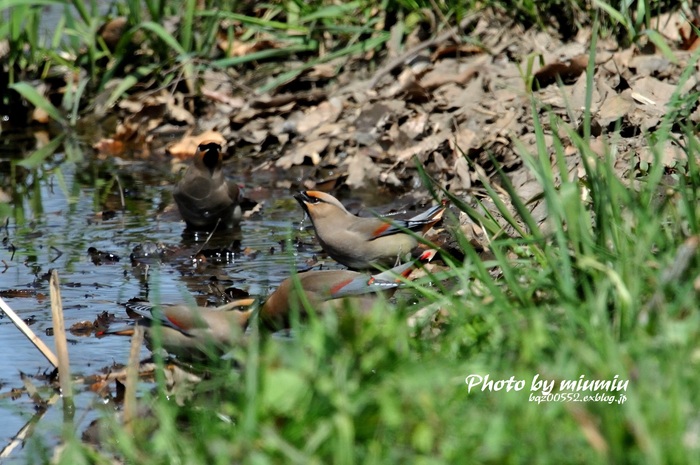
(205, 198)
(192, 332)
(324, 289)
(363, 243)
(187, 331)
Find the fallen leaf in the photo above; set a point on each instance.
(297, 156)
(187, 146)
(566, 71)
(616, 107)
(325, 112)
(109, 147)
(361, 169)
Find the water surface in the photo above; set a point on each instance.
(62, 210)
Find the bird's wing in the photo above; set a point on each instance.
(195, 187)
(151, 313)
(421, 222)
(389, 279)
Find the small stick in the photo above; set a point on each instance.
(208, 237)
(132, 377)
(121, 192)
(59, 335)
(27, 331)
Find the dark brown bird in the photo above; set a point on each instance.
(363, 243)
(205, 198)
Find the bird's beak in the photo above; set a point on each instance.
(304, 200)
(303, 196)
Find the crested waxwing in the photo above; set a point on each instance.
(363, 243)
(192, 331)
(324, 287)
(189, 331)
(205, 198)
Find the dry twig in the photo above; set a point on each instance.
(27, 331)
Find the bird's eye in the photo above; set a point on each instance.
(314, 199)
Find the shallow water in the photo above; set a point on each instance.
(56, 220)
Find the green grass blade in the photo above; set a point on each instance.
(369, 44)
(187, 24)
(38, 157)
(258, 22)
(39, 101)
(265, 55)
(5, 4)
(164, 35)
(660, 43)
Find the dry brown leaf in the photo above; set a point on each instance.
(255, 132)
(408, 86)
(452, 49)
(325, 112)
(323, 71)
(233, 102)
(439, 77)
(657, 92)
(373, 116)
(40, 116)
(590, 429)
(615, 107)
(281, 100)
(454, 97)
(237, 48)
(462, 173)
(689, 38)
(464, 140)
(187, 146)
(669, 154)
(566, 71)
(336, 130)
(415, 125)
(110, 147)
(422, 148)
(112, 31)
(577, 95)
(297, 156)
(646, 65)
(132, 105)
(361, 169)
(81, 328)
(176, 109)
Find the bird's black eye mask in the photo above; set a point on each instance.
(211, 156)
(304, 197)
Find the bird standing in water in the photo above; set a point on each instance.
(205, 198)
(322, 289)
(363, 243)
